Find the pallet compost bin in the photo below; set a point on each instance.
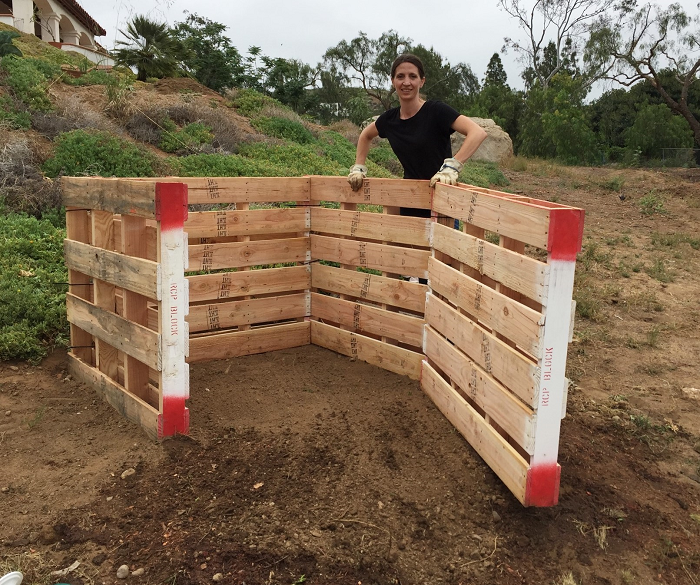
(167, 272)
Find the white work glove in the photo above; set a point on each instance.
(358, 173)
(448, 173)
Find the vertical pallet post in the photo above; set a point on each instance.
(171, 213)
(564, 242)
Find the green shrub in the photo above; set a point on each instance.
(655, 128)
(249, 102)
(10, 114)
(283, 128)
(93, 77)
(32, 306)
(190, 137)
(292, 160)
(27, 81)
(216, 165)
(82, 152)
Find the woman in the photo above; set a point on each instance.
(419, 133)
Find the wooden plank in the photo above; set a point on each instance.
(242, 189)
(396, 229)
(516, 271)
(370, 287)
(135, 274)
(495, 311)
(135, 340)
(512, 218)
(239, 254)
(125, 196)
(78, 228)
(102, 225)
(361, 317)
(134, 241)
(492, 447)
(239, 343)
(210, 224)
(392, 358)
(497, 402)
(126, 404)
(404, 261)
(510, 367)
(208, 287)
(247, 312)
(397, 192)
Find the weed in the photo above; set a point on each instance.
(37, 418)
(283, 128)
(641, 421)
(653, 336)
(627, 576)
(592, 255)
(483, 174)
(624, 239)
(588, 303)
(249, 102)
(118, 89)
(27, 81)
(624, 270)
(189, 139)
(645, 300)
(35, 568)
(660, 272)
(516, 163)
(300, 580)
(492, 237)
(613, 184)
(567, 579)
(601, 536)
(673, 240)
(652, 203)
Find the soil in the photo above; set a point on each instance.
(307, 467)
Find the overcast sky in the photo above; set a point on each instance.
(469, 31)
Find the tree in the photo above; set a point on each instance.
(288, 80)
(454, 84)
(368, 62)
(564, 20)
(212, 60)
(497, 100)
(656, 128)
(638, 44)
(6, 46)
(150, 47)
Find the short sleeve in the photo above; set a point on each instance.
(445, 116)
(381, 123)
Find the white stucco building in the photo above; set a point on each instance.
(63, 23)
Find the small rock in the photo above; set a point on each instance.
(8, 413)
(33, 537)
(203, 566)
(48, 535)
(392, 556)
(6, 489)
(99, 559)
(218, 577)
(110, 498)
(616, 418)
(692, 393)
(523, 541)
(128, 472)
(402, 544)
(14, 368)
(496, 516)
(316, 533)
(696, 447)
(138, 572)
(123, 572)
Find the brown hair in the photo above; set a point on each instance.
(408, 58)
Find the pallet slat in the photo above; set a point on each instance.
(135, 274)
(240, 254)
(248, 312)
(398, 229)
(410, 193)
(392, 358)
(362, 317)
(504, 408)
(516, 271)
(253, 341)
(243, 189)
(126, 404)
(508, 366)
(494, 310)
(492, 447)
(512, 218)
(126, 196)
(370, 287)
(135, 340)
(225, 285)
(210, 224)
(405, 261)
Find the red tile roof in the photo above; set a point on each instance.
(79, 12)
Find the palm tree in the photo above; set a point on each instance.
(151, 48)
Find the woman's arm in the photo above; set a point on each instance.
(474, 135)
(366, 136)
(358, 171)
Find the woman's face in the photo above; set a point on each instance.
(407, 81)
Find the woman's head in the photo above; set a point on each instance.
(408, 58)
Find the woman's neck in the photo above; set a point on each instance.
(410, 108)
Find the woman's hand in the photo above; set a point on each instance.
(448, 173)
(357, 175)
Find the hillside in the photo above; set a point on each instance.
(338, 472)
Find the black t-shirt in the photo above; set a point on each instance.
(422, 142)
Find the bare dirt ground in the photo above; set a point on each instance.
(306, 467)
